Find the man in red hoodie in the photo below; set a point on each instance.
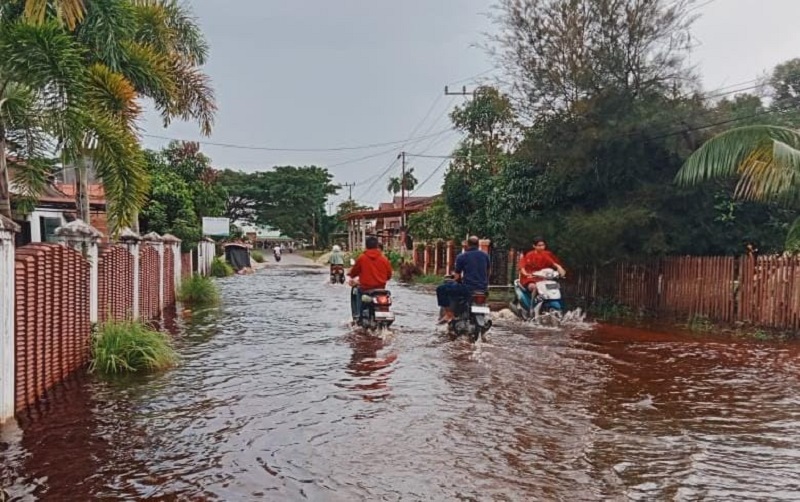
(373, 271)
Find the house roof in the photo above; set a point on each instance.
(413, 205)
(60, 193)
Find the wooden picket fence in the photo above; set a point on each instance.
(763, 291)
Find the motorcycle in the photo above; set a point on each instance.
(277, 257)
(471, 316)
(547, 302)
(375, 311)
(337, 274)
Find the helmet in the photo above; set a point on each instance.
(336, 249)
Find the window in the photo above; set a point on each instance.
(48, 228)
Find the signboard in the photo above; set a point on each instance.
(216, 226)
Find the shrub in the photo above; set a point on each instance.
(198, 290)
(257, 256)
(220, 268)
(395, 258)
(128, 346)
(408, 271)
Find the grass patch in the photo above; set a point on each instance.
(607, 310)
(220, 268)
(700, 324)
(428, 279)
(129, 346)
(198, 290)
(257, 256)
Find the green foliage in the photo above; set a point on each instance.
(394, 257)
(608, 310)
(183, 189)
(128, 346)
(220, 268)
(430, 279)
(257, 256)
(436, 222)
(199, 290)
(409, 271)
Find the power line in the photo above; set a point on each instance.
(275, 149)
(441, 164)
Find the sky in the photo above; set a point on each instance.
(326, 74)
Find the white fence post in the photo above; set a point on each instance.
(130, 240)
(7, 350)
(175, 245)
(83, 238)
(155, 240)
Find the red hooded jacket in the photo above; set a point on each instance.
(372, 269)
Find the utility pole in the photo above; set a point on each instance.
(403, 190)
(462, 92)
(350, 188)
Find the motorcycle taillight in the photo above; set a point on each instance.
(383, 300)
(479, 298)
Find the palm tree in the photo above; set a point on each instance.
(764, 158)
(40, 66)
(410, 182)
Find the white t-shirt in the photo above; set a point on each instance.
(277, 250)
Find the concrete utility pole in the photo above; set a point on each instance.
(350, 188)
(462, 92)
(403, 190)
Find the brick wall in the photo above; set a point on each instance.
(51, 325)
(149, 270)
(186, 264)
(115, 283)
(169, 277)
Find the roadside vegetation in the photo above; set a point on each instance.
(198, 291)
(130, 346)
(257, 256)
(220, 268)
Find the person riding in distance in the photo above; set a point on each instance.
(535, 260)
(373, 271)
(472, 274)
(336, 258)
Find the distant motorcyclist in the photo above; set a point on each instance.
(471, 274)
(535, 260)
(336, 258)
(373, 271)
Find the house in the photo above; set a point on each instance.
(55, 207)
(384, 222)
(263, 236)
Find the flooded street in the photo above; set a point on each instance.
(276, 399)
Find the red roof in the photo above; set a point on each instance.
(413, 205)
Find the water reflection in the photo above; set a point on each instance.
(370, 371)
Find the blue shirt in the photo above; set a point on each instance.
(473, 265)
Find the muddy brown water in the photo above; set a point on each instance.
(276, 399)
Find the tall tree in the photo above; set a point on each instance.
(406, 184)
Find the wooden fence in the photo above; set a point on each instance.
(763, 291)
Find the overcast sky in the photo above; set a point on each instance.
(315, 74)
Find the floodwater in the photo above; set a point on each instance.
(276, 399)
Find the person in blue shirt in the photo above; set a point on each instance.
(471, 274)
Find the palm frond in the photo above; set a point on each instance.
(31, 177)
(170, 26)
(792, 243)
(107, 25)
(194, 98)
(764, 158)
(70, 12)
(114, 94)
(149, 71)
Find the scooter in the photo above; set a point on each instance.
(546, 303)
(375, 312)
(337, 274)
(471, 317)
(277, 257)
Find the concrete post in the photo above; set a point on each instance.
(426, 260)
(130, 240)
(83, 238)
(436, 264)
(451, 256)
(7, 349)
(157, 242)
(175, 244)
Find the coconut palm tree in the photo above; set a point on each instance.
(410, 182)
(764, 159)
(68, 11)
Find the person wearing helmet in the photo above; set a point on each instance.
(336, 258)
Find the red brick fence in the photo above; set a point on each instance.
(51, 295)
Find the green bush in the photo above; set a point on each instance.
(220, 268)
(129, 346)
(395, 258)
(409, 271)
(198, 290)
(257, 256)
